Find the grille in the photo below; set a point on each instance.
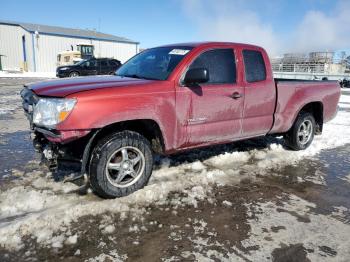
(29, 99)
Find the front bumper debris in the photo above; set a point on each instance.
(57, 146)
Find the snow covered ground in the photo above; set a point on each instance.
(328, 230)
(345, 101)
(27, 74)
(9, 103)
(34, 206)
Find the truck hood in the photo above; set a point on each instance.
(65, 87)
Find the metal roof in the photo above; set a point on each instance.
(72, 32)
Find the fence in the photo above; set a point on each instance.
(310, 70)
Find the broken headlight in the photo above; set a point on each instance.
(49, 112)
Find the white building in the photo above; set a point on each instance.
(35, 47)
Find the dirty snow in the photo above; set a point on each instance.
(342, 214)
(9, 103)
(111, 256)
(325, 230)
(227, 203)
(208, 252)
(37, 206)
(204, 247)
(346, 178)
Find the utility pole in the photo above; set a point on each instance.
(1, 63)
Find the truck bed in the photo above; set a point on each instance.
(294, 94)
(301, 80)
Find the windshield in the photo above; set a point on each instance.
(81, 62)
(85, 49)
(156, 63)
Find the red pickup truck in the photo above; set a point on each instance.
(169, 99)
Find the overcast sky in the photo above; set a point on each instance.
(278, 25)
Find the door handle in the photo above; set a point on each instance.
(236, 95)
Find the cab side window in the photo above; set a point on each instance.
(254, 66)
(103, 63)
(113, 63)
(220, 63)
(90, 63)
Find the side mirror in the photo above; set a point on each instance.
(196, 76)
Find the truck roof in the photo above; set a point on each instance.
(206, 44)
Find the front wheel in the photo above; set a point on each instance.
(301, 135)
(73, 74)
(120, 164)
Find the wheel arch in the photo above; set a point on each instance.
(149, 128)
(74, 71)
(316, 109)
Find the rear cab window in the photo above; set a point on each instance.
(90, 63)
(254, 65)
(221, 64)
(113, 63)
(103, 63)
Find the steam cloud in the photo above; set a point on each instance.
(235, 21)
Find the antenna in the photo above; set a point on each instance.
(99, 42)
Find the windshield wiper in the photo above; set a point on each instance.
(138, 77)
(132, 76)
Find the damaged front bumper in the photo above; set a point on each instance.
(62, 137)
(55, 145)
(61, 146)
(53, 152)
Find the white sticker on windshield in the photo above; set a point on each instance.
(178, 52)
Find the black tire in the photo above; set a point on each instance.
(74, 74)
(292, 138)
(99, 175)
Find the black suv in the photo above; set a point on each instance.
(93, 66)
(345, 83)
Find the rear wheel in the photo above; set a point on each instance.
(120, 164)
(301, 135)
(73, 74)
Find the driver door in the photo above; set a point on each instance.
(216, 106)
(90, 67)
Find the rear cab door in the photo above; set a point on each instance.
(260, 92)
(102, 67)
(113, 65)
(216, 106)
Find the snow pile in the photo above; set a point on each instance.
(304, 226)
(41, 208)
(341, 213)
(345, 98)
(27, 74)
(227, 203)
(112, 256)
(37, 206)
(344, 101)
(346, 178)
